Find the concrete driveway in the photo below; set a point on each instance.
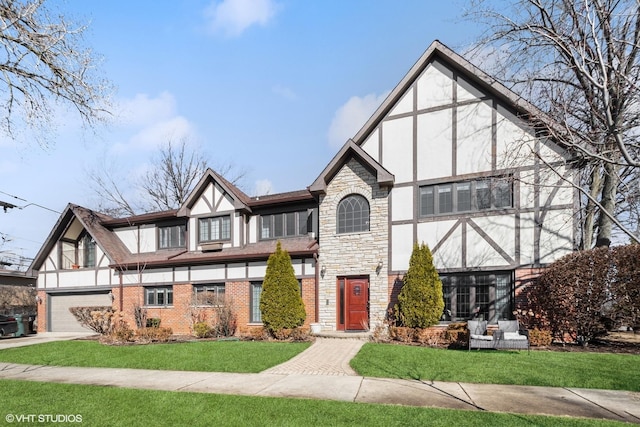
(11, 342)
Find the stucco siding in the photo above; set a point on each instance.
(473, 138)
(397, 149)
(209, 272)
(402, 206)
(372, 145)
(435, 87)
(434, 140)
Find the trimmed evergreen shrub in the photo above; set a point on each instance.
(420, 302)
(280, 302)
(583, 294)
(201, 329)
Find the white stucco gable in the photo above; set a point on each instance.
(213, 199)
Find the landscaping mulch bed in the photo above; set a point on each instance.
(615, 342)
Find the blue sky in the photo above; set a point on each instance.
(273, 87)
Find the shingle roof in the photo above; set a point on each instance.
(99, 226)
(298, 246)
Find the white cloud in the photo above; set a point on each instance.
(349, 118)
(263, 187)
(159, 133)
(149, 122)
(232, 17)
(142, 110)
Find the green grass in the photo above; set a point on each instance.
(209, 356)
(538, 368)
(108, 406)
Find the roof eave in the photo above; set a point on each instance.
(384, 178)
(207, 260)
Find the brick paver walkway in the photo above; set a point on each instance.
(327, 356)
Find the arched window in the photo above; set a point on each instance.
(353, 214)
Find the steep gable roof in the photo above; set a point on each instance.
(349, 150)
(240, 199)
(92, 222)
(470, 72)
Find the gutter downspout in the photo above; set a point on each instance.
(317, 305)
(121, 292)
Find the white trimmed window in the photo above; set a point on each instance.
(214, 229)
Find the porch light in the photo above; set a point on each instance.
(323, 271)
(379, 267)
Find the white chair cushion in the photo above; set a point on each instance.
(482, 337)
(514, 336)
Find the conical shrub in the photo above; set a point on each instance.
(280, 302)
(420, 302)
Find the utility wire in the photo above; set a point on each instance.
(28, 204)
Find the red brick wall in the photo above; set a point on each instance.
(181, 315)
(240, 292)
(309, 299)
(42, 311)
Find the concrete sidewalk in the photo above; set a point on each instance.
(603, 404)
(323, 372)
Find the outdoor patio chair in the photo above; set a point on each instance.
(510, 336)
(478, 337)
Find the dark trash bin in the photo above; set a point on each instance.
(30, 324)
(19, 319)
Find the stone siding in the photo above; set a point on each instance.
(353, 254)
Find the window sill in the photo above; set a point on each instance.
(157, 306)
(483, 212)
(212, 246)
(265, 239)
(353, 233)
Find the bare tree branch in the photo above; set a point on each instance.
(578, 61)
(43, 64)
(166, 185)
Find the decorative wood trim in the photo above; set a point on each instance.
(491, 242)
(446, 236)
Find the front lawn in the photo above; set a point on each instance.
(209, 356)
(537, 368)
(109, 406)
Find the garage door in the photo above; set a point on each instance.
(61, 319)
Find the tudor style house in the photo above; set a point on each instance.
(449, 159)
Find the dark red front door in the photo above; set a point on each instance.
(356, 301)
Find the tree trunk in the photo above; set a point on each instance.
(608, 202)
(595, 189)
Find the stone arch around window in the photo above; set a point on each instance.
(353, 214)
